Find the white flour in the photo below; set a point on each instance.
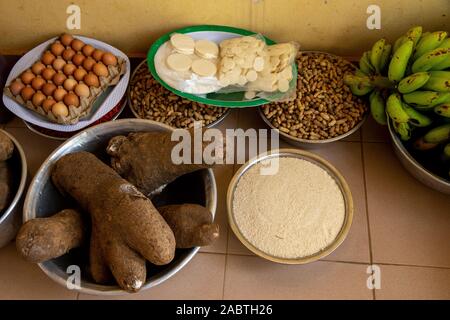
(295, 213)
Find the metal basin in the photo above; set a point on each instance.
(44, 200)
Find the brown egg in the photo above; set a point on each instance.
(57, 48)
(91, 80)
(109, 59)
(100, 69)
(71, 99)
(79, 74)
(59, 78)
(48, 103)
(59, 94)
(48, 89)
(60, 109)
(37, 68)
(68, 54)
(66, 39)
(88, 50)
(69, 69)
(38, 98)
(47, 58)
(69, 84)
(97, 54)
(78, 59)
(48, 73)
(38, 83)
(82, 90)
(58, 64)
(88, 63)
(77, 44)
(27, 93)
(16, 86)
(27, 77)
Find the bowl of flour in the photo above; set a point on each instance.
(289, 206)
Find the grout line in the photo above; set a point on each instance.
(411, 265)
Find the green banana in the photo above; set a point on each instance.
(446, 152)
(368, 81)
(399, 42)
(376, 54)
(403, 129)
(395, 110)
(430, 59)
(440, 74)
(360, 73)
(414, 34)
(385, 56)
(413, 82)
(443, 110)
(426, 98)
(444, 64)
(445, 44)
(364, 64)
(360, 90)
(399, 61)
(415, 117)
(429, 42)
(421, 145)
(438, 134)
(437, 83)
(377, 107)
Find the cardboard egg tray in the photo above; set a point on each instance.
(86, 103)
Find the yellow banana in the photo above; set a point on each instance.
(429, 42)
(430, 59)
(376, 53)
(395, 110)
(399, 61)
(399, 42)
(414, 34)
(413, 82)
(377, 108)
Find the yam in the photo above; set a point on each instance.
(5, 184)
(6, 147)
(126, 227)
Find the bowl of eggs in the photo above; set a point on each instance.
(67, 83)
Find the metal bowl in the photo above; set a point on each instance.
(211, 125)
(10, 219)
(299, 154)
(306, 143)
(415, 168)
(44, 200)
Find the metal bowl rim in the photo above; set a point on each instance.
(286, 152)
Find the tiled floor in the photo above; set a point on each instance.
(400, 225)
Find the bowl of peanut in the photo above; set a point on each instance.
(324, 109)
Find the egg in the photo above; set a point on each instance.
(59, 94)
(16, 87)
(38, 98)
(79, 74)
(58, 64)
(82, 90)
(109, 59)
(48, 103)
(47, 58)
(97, 54)
(88, 50)
(37, 68)
(91, 80)
(48, 89)
(27, 77)
(66, 39)
(78, 59)
(68, 54)
(57, 48)
(100, 69)
(38, 83)
(71, 99)
(60, 109)
(69, 69)
(27, 93)
(59, 78)
(69, 84)
(48, 73)
(88, 63)
(77, 44)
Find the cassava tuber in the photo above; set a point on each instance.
(126, 227)
(42, 239)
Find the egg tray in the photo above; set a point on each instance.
(86, 103)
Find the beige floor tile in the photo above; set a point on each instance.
(23, 280)
(374, 132)
(418, 283)
(201, 278)
(230, 121)
(36, 148)
(346, 157)
(254, 278)
(409, 222)
(15, 122)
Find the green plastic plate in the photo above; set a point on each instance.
(216, 34)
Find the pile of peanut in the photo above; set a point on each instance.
(150, 100)
(324, 106)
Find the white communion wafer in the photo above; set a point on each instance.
(179, 62)
(182, 43)
(204, 68)
(206, 49)
(283, 85)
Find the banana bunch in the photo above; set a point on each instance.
(408, 83)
